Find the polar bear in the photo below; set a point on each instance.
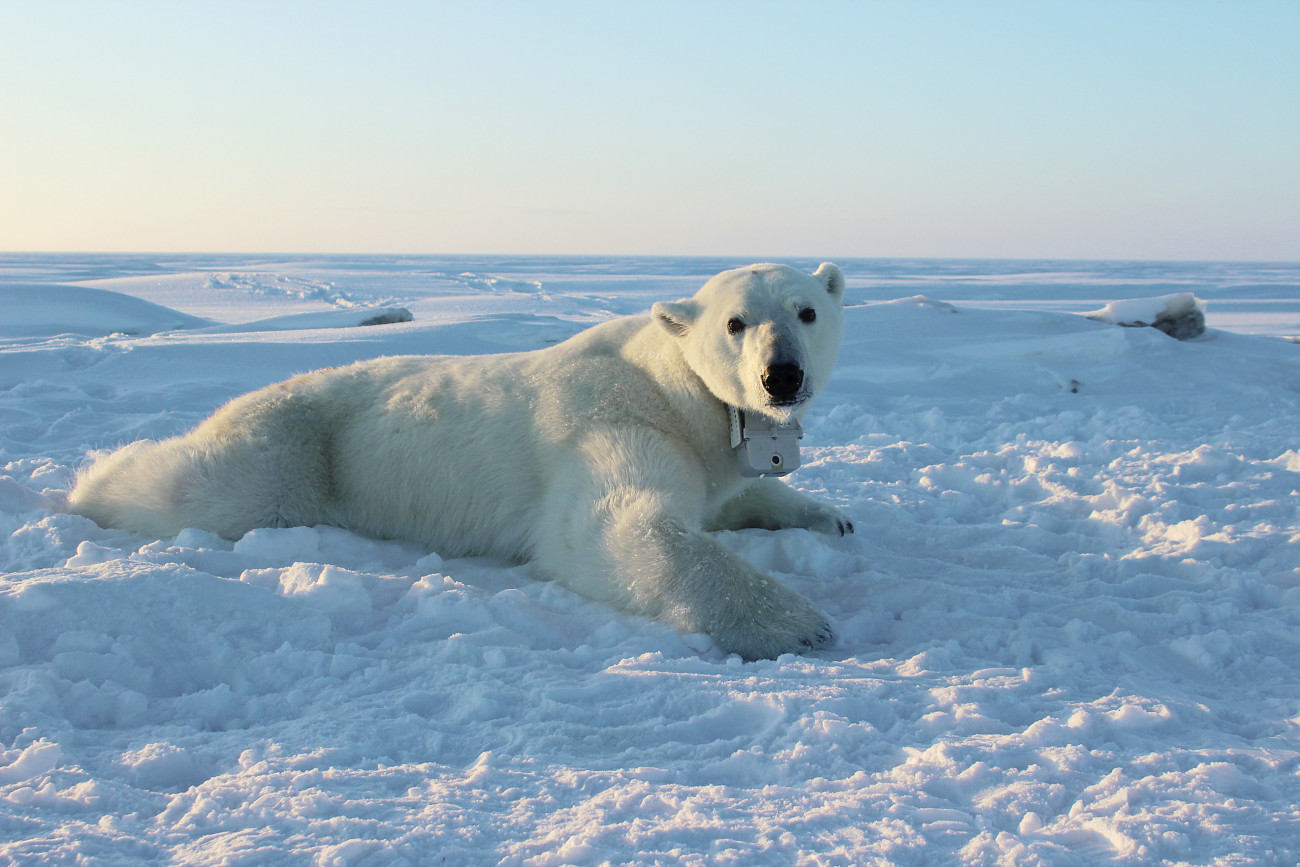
(605, 460)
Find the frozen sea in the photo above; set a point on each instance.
(1069, 622)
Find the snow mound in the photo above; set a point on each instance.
(924, 302)
(35, 310)
(347, 318)
(51, 309)
(1181, 315)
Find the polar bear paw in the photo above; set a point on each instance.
(830, 521)
(783, 623)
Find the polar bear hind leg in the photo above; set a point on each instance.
(263, 460)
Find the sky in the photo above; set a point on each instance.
(1088, 130)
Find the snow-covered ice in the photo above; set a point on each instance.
(1069, 624)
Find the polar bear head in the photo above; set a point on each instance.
(762, 338)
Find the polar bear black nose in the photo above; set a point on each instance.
(782, 381)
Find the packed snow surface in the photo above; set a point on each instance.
(1069, 622)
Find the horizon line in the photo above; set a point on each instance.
(696, 256)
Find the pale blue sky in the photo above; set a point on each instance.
(1138, 129)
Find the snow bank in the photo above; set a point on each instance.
(49, 309)
(1069, 625)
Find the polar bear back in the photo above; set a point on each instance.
(455, 453)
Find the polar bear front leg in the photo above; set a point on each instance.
(695, 583)
(770, 504)
(624, 526)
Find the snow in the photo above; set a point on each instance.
(1145, 311)
(1069, 622)
(45, 310)
(1181, 315)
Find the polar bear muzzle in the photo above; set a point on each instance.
(782, 382)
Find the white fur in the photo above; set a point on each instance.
(603, 459)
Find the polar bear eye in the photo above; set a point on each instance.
(808, 315)
(735, 325)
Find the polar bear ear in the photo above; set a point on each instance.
(830, 276)
(676, 317)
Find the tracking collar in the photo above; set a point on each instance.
(764, 447)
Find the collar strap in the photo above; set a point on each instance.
(737, 426)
